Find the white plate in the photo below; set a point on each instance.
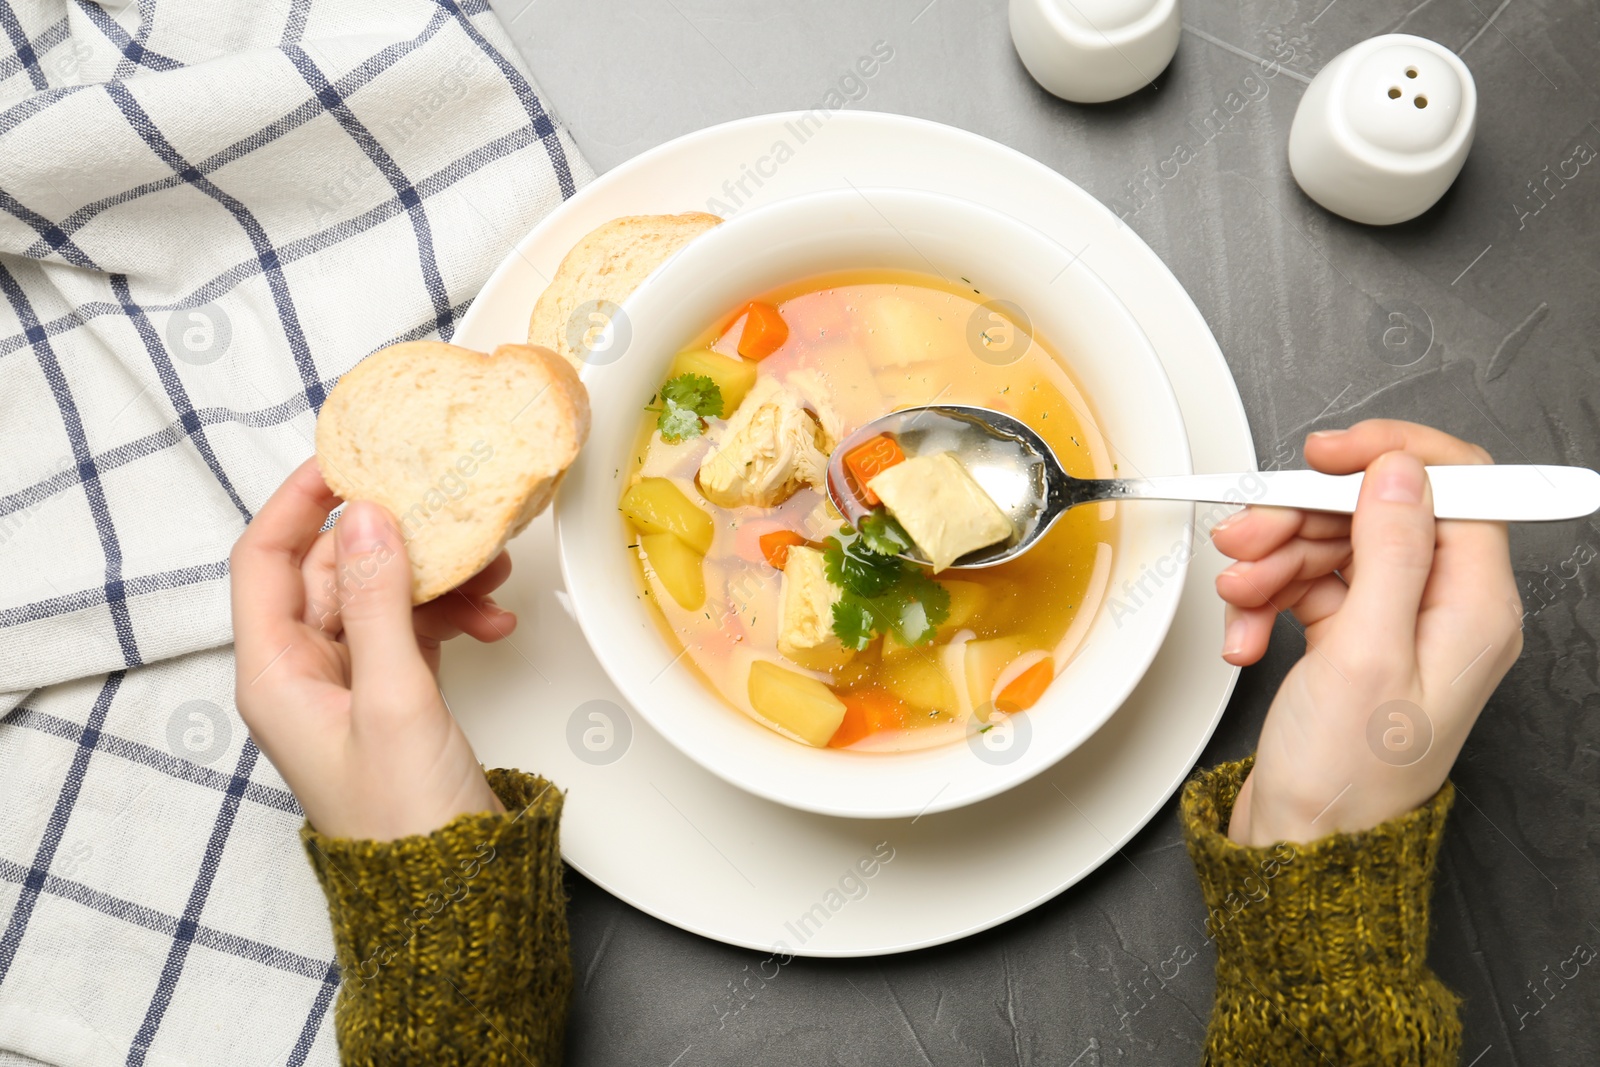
(671, 839)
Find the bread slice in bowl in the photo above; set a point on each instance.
(604, 268)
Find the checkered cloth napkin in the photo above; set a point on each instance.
(209, 210)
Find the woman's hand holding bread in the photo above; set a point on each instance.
(336, 668)
(443, 454)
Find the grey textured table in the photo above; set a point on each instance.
(1476, 317)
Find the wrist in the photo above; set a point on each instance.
(1261, 817)
(378, 811)
(471, 796)
(1267, 813)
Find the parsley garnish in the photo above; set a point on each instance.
(859, 572)
(686, 401)
(882, 535)
(924, 606)
(853, 623)
(677, 423)
(880, 593)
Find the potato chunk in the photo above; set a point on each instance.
(944, 510)
(805, 620)
(797, 702)
(656, 505)
(902, 332)
(680, 568)
(921, 681)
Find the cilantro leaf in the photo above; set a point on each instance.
(864, 575)
(921, 605)
(677, 423)
(882, 535)
(695, 391)
(853, 623)
(880, 593)
(934, 597)
(685, 401)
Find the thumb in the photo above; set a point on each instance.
(1391, 539)
(374, 576)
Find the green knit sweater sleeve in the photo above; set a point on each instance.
(1321, 947)
(452, 947)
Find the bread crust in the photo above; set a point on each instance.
(608, 264)
(395, 430)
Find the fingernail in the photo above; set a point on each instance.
(1238, 570)
(1320, 434)
(363, 527)
(1400, 479)
(1233, 640)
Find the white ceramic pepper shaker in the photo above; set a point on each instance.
(1384, 128)
(1090, 51)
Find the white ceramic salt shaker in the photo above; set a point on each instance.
(1384, 128)
(1090, 51)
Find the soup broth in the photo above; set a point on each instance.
(843, 351)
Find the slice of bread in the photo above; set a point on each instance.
(608, 264)
(464, 449)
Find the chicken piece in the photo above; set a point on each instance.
(805, 617)
(771, 447)
(817, 397)
(944, 510)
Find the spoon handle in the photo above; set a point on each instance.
(1510, 493)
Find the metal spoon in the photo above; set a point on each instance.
(1016, 467)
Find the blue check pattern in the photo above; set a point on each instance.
(209, 211)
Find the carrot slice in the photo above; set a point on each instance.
(764, 331)
(775, 546)
(1024, 691)
(867, 712)
(852, 728)
(747, 538)
(870, 459)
